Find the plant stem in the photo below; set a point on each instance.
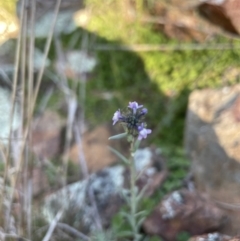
(133, 200)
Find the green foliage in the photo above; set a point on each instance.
(119, 224)
(154, 238)
(9, 6)
(51, 173)
(183, 236)
(178, 166)
(162, 80)
(73, 172)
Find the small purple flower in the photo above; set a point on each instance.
(134, 106)
(133, 120)
(144, 111)
(116, 117)
(143, 132)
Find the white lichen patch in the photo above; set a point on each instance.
(80, 62)
(170, 204)
(167, 210)
(73, 194)
(75, 197)
(64, 24)
(150, 171)
(142, 158)
(177, 197)
(107, 182)
(116, 175)
(213, 237)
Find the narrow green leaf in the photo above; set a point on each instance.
(137, 143)
(124, 234)
(137, 215)
(142, 192)
(117, 153)
(125, 195)
(140, 222)
(119, 136)
(141, 172)
(128, 217)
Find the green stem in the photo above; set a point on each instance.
(133, 201)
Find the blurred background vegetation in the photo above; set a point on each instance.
(160, 79)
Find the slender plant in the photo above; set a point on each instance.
(135, 129)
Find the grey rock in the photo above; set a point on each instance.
(107, 188)
(211, 237)
(45, 12)
(212, 141)
(64, 24)
(44, 6)
(184, 210)
(75, 199)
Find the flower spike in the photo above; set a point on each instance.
(133, 121)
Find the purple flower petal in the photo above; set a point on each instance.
(143, 132)
(116, 117)
(134, 106)
(140, 127)
(144, 111)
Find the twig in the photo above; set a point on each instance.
(29, 209)
(28, 184)
(229, 206)
(15, 78)
(46, 50)
(31, 50)
(165, 47)
(165, 21)
(73, 231)
(81, 156)
(72, 108)
(32, 105)
(53, 225)
(43, 103)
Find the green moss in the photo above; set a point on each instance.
(9, 6)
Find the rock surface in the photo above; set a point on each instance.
(184, 210)
(224, 13)
(212, 142)
(48, 131)
(94, 147)
(45, 6)
(46, 135)
(102, 191)
(214, 237)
